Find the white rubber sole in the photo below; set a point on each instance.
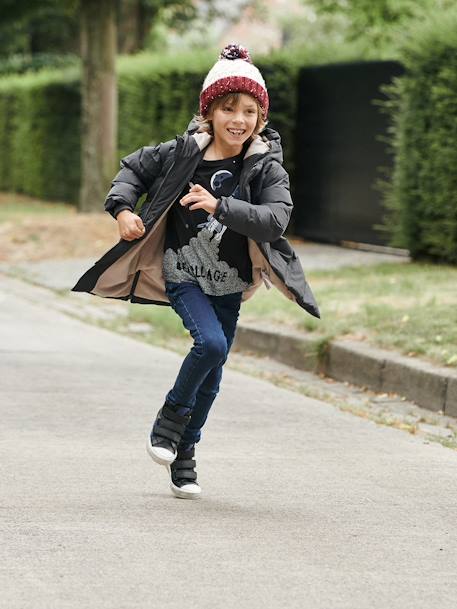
(188, 491)
(162, 456)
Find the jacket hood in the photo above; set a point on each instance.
(267, 141)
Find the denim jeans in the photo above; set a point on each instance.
(211, 321)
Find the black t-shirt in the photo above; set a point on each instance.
(200, 249)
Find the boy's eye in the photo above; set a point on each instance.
(228, 108)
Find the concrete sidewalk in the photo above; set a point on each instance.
(304, 506)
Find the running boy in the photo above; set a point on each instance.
(208, 234)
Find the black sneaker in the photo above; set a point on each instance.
(183, 476)
(166, 434)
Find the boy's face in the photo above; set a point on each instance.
(233, 125)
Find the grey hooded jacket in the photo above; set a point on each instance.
(132, 270)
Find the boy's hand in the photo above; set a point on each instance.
(130, 225)
(200, 198)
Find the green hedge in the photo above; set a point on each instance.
(421, 195)
(40, 116)
(39, 135)
(20, 64)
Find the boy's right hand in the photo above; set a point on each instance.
(130, 225)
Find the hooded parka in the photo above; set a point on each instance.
(132, 270)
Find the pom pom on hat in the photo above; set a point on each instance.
(234, 72)
(235, 51)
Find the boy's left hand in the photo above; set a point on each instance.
(200, 198)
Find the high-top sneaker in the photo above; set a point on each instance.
(166, 433)
(183, 482)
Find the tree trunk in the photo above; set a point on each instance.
(99, 102)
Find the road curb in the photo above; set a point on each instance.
(429, 386)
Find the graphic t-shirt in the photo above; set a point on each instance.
(200, 249)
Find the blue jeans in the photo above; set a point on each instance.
(211, 321)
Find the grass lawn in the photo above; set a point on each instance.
(410, 308)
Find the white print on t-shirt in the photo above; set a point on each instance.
(199, 262)
(214, 226)
(218, 178)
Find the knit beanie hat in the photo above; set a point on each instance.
(234, 72)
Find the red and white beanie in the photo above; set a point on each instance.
(234, 72)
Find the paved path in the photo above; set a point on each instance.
(304, 506)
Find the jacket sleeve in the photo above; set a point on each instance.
(138, 172)
(268, 218)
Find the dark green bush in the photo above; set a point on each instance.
(39, 130)
(40, 116)
(421, 195)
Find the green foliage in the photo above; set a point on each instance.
(39, 130)
(52, 26)
(48, 26)
(158, 96)
(372, 13)
(331, 52)
(378, 24)
(19, 64)
(421, 195)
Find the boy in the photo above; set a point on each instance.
(225, 197)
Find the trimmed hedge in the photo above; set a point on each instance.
(40, 116)
(20, 64)
(421, 195)
(39, 131)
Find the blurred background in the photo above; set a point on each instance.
(363, 93)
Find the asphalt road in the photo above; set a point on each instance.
(303, 506)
